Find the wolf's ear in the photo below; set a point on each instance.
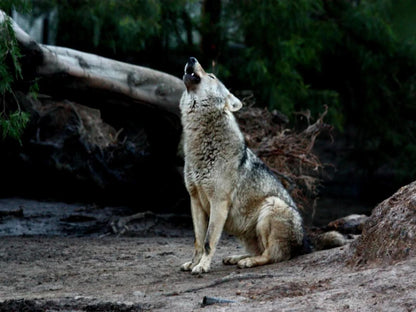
(232, 103)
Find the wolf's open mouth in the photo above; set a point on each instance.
(189, 69)
(190, 76)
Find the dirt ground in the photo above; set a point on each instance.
(79, 265)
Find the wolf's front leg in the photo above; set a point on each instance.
(217, 218)
(199, 219)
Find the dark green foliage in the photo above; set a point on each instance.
(12, 122)
(283, 41)
(118, 29)
(301, 54)
(375, 81)
(107, 25)
(19, 5)
(9, 53)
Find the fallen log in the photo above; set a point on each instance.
(74, 70)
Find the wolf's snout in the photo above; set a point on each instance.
(192, 61)
(190, 66)
(191, 78)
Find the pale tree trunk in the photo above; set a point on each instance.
(85, 70)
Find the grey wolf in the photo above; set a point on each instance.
(230, 188)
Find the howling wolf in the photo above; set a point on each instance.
(229, 186)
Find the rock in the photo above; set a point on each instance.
(352, 224)
(389, 235)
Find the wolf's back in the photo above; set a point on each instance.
(257, 178)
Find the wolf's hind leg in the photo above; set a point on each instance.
(251, 247)
(261, 258)
(234, 259)
(254, 261)
(279, 230)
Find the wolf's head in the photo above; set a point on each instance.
(204, 86)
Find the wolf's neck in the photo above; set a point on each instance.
(217, 131)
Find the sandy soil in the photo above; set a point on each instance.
(98, 271)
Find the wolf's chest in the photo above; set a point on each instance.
(203, 156)
(210, 145)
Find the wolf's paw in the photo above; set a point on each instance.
(229, 260)
(246, 263)
(233, 259)
(199, 269)
(187, 266)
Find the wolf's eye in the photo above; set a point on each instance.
(211, 76)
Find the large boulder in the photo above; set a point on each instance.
(389, 235)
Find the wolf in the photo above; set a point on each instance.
(230, 188)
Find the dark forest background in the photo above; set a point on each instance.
(356, 57)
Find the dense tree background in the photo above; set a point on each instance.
(357, 57)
